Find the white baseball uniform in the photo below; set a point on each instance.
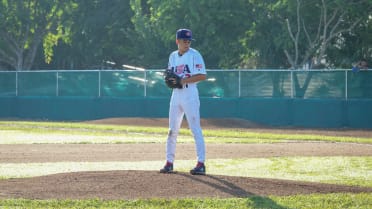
(185, 101)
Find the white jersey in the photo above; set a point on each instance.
(189, 64)
(185, 101)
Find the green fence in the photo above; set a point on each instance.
(331, 84)
(316, 98)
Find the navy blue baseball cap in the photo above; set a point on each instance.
(184, 34)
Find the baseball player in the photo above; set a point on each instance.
(189, 65)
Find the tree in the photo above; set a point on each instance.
(311, 42)
(291, 33)
(25, 25)
(264, 40)
(217, 26)
(335, 18)
(101, 33)
(354, 46)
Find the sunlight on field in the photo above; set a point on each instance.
(22, 170)
(23, 137)
(345, 170)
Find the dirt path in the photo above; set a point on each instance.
(39, 153)
(152, 184)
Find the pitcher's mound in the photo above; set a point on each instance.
(151, 184)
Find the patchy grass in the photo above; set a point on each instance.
(61, 132)
(314, 201)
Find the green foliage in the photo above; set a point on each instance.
(245, 34)
(217, 26)
(30, 23)
(102, 32)
(271, 25)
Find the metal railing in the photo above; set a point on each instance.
(268, 83)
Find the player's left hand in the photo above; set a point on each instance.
(172, 80)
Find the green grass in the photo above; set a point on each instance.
(314, 201)
(60, 132)
(355, 171)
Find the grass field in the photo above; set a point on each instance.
(52, 132)
(325, 201)
(334, 169)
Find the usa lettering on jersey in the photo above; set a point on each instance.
(182, 69)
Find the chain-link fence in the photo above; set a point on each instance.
(269, 83)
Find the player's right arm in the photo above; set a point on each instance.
(193, 79)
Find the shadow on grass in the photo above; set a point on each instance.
(234, 190)
(263, 203)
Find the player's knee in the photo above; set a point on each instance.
(172, 133)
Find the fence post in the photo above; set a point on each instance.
(16, 87)
(239, 81)
(346, 87)
(145, 84)
(292, 91)
(99, 83)
(57, 84)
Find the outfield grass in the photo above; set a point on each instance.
(340, 170)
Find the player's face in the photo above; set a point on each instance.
(183, 45)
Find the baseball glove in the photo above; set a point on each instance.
(172, 80)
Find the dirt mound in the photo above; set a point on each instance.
(151, 184)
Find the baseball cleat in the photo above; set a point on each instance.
(168, 168)
(198, 170)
